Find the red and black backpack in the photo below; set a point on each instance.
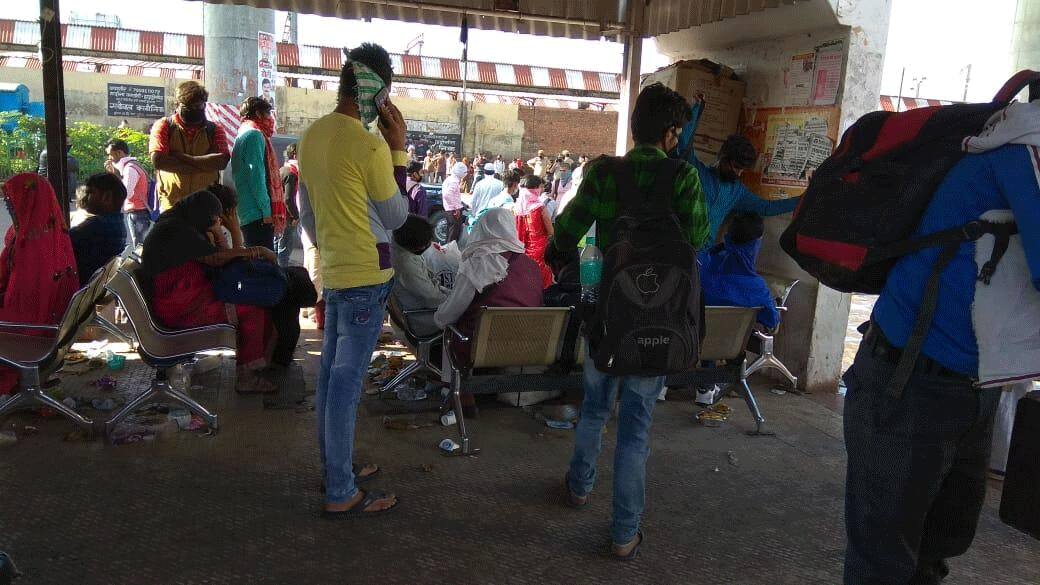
(862, 206)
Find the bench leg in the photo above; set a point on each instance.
(752, 405)
(29, 396)
(460, 420)
(191, 404)
(110, 327)
(138, 401)
(402, 377)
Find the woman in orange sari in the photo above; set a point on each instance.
(179, 253)
(37, 267)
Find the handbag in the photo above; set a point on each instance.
(250, 282)
(301, 291)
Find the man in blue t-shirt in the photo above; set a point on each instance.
(102, 236)
(723, 191)
(917, 462)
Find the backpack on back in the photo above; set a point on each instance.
(647, 320)
(862, 206)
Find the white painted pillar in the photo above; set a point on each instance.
(630, 69)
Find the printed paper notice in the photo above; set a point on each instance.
(793, 143)
(829, 61)
(800, 79)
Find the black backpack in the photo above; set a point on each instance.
(858, 216)
(862, 206)
(647, 320)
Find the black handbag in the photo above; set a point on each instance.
(301, 291)
(251, 282)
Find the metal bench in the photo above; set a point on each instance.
(163, 349)
(38, 357)
(766, 359)
(500, 360)
(421, 345)
(727, 332)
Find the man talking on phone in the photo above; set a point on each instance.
(355, 181)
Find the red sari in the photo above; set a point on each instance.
(37, 267)
(531, 230)
(183, 297)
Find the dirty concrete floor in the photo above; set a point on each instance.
(242, 506)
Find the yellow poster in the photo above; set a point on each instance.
(792, 143)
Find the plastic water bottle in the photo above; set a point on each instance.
(591, 264)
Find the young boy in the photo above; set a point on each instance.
(415, 286)
(729, 277)
(102, 236)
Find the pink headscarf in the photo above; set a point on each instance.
(528, 201)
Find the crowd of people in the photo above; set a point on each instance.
(357, 202)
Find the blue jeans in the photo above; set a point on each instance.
(285, 243)
(137, 225)
(917, 467)
(638, 397)
(353, 321)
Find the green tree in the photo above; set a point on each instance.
(21, 146)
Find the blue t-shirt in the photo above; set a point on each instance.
(1000, 179)
(96, 241)
(725, 197)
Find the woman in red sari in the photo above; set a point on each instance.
(178, 253)
(37, 267)
(534, 224)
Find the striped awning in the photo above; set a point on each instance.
(889, 102)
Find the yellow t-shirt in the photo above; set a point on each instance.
(349, 177)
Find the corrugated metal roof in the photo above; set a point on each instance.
(577, 19)
(665, 16)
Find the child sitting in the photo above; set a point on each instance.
(415, 286)
(729, 277)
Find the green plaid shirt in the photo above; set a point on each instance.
(597, 201)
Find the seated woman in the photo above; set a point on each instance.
(37, 266)
(415, 287)
(494, 272)
(229, 226)
(534, 225)
(178, 254)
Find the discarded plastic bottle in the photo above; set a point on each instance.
(591, 264)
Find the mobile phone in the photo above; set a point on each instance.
(381, 97)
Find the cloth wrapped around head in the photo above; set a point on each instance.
(482, 261)
(369, 83)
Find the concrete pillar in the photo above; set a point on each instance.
(231, 50)
(630, 68)
(1025, 41)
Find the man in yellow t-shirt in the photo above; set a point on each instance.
(355, 182)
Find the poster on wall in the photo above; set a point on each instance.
(267, 58)
(827, 81)
(800, 79)
(793, 143)
(136, 101)
(438, 136)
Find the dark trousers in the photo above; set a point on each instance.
(285, 316)
(137, 225)
(916, 470)
(258, 233)
(455, 229)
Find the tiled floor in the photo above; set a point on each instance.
(242, 506)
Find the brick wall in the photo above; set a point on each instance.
(579, 131)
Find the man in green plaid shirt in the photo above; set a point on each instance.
(657, 121)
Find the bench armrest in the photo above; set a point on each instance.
(458, 334)
(13, 325)
(411, 312)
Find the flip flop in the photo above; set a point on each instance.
(358, 509)
(358, 478)
(572, 500)
(633, 553)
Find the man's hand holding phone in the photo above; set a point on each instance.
(392, 125)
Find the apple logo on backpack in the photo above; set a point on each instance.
(647, 282)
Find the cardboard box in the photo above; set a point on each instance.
(723, 95)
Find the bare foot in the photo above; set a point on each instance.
(250, 383)
(376, 506)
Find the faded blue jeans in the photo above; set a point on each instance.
(638, 397)
(353, 321)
